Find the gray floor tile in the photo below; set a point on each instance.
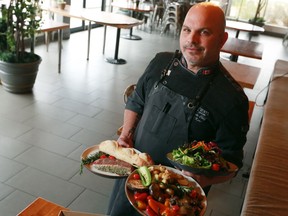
(51, 163)
(15, 203)
(89, 137)
(52, 125)
(11, 128)
(96, 125)
(11, 147)
(110, 117)
(9, 168)
(91, 202)
(49, 142)
(94, 182)
(5, 190)
(46, 109)
(37, 183)
(77, 107)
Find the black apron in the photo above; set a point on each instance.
(168, 115)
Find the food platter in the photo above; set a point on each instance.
(92, 151)
(209, 172)
(192, 182)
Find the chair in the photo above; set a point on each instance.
(127, 92)
(174, 16)
(170, 19)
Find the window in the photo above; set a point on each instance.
(275, 12)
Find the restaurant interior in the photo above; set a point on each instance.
(77, 102)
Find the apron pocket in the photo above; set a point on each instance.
(159, 122)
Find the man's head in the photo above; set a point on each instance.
(203, 35)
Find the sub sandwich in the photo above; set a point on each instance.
(124, 161)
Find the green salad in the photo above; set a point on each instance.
(200, 155)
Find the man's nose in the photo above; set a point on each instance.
(194, 38)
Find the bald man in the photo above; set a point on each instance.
(186, 96)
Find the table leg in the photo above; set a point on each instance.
(116, 60)
(60, 32)
(89, 34)
(104, 40)
(234, 58)
(130, 36)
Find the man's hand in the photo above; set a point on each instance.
(125, 141)
(205, 181)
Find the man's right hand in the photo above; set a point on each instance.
(125, 141)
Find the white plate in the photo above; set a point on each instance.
(93, 150)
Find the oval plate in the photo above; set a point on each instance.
(91, 151)
(130, 194)
(208, 172)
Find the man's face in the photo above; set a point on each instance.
(202, 37)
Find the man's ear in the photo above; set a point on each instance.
(224, 39)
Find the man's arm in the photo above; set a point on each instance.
(131, 119)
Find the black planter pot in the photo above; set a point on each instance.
(19, 77)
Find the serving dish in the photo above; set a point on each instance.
(209, 172)
(192, 182)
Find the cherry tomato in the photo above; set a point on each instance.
(103, 156)
(175, 208)
(112, 157)
(136, 176)
(215, 167)
(193, 194)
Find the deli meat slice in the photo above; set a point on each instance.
(116, 166)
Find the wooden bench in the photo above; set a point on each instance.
(245, 75)
(267, 189)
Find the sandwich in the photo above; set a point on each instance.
(120, 160)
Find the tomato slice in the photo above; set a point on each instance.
(145, 175)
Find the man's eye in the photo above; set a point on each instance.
(186, 30)
(205, 32)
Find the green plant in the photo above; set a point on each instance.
(258, 18)
(22, 19)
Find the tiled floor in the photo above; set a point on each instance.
(43, 134)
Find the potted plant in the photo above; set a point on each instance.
(61, 4)
(20, 21)
(258, 18)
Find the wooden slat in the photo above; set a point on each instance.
(245, 75)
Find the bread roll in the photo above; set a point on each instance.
(128, 155)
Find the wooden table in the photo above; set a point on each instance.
(129, 5)
(238, 47)
(49, 26)
(42, 207)
(103, 18)
(245, 75)
(241, 26)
